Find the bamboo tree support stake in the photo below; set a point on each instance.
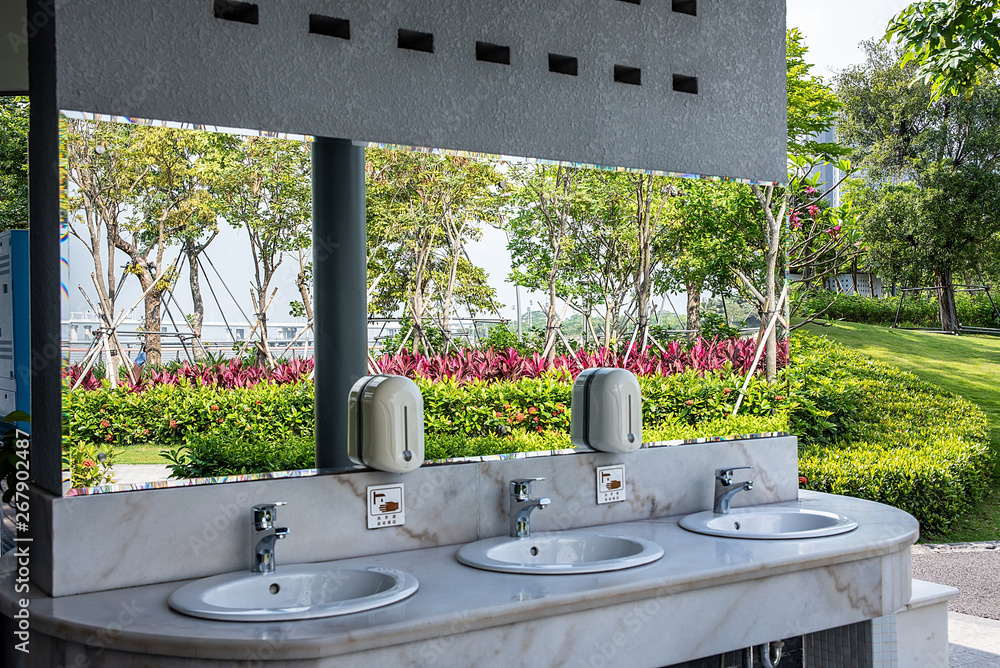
(551, 344)
(651, 338)
(631, 342)
(761, 344)
(572, 353)
(88, 361)
(108, 335)
(256, 324)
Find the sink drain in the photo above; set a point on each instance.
(736, 525)
(534, 551)
(274, 588)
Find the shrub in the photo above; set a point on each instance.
(233, 453)
(441, 446)
(89, 466)
(901, 441)
(542, 404)
(974, 310)
(171, 415)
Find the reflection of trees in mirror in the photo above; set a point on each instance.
(603, 245)
(230, 418)
(13, 163)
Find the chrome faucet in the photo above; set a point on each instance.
(521, 506)
(724, 490)
(264, 536)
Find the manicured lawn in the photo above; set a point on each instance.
(965, 365)
(141, 453)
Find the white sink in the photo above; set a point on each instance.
(769, 523)
(303, 591)
(559, 553)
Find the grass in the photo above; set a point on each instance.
(144, 453)
(966, 365)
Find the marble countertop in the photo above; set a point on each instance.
(454, 598)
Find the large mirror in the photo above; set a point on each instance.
(187, 307)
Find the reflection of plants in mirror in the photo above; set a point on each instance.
(714, 326)
(89, 466)
(233, 452)
(13, 453)
(170, 415)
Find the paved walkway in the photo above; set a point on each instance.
(128, 474)
(973, 642)
(973, 617)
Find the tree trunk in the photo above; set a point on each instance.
(694, 307)
(946, 301)
(263, 348)
(198, 317)
(152, 325)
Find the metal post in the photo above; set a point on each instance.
(340, 322)
(43, 203)
(517, 292)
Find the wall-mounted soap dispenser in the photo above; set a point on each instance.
(385, 426)
(607, 410)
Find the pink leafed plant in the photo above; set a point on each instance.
(485, 365)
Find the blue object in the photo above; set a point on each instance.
(140, 359)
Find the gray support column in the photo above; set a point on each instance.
(340, 309)
(43, 239)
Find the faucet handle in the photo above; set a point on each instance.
(265, 514)
(725, 476)
(520, 488)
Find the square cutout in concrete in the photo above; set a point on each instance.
(415, 41)
(329, 26)
(685, 84)
(240, 12)
(628, 75)
(563, 64)
(689, 7)
(492, 53)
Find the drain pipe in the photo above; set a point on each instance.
(770, 654)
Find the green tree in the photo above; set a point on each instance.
(954, 44)
(267, 192)
(551, 202)
(13, 163)
(103, 180)
(175, 205)
(812, 104)
(422, 211)
(708, 228)
(928, 168)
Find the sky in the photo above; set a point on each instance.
(833, 30)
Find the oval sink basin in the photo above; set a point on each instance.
(305, 591)
(559, 553)
(769, 523)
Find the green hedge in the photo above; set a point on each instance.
(542, 404)
(172, 415)
(221, 454)
(213, 432)
(175, 415)
(901, 441)
(917, 311)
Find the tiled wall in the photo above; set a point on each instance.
(870, 644)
